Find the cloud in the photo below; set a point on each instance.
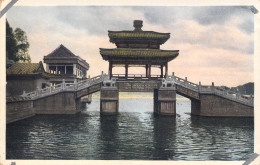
(215, 43)
(220, 14)
(212, 36)
(97, 20)
(247, 25)
(208, 65)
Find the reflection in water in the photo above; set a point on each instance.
(108, 137)
(134, 134)
(164, 137)
(228, 135)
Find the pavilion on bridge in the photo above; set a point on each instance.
(138, 48)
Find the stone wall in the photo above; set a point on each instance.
(61, 103)
(16, 87)
(18, 110)
(212, 105)
(138, 86)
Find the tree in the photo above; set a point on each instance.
(11, 43)
(22, 45)
(17, 45)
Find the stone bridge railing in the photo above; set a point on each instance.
(62, 87)
(202, 89)
(76, 86)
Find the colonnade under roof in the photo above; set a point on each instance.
(148, 69)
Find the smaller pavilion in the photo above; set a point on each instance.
(65, 65)
(138, 48)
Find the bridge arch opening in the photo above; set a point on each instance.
(128, 102)
(140, 103)
(183, 106)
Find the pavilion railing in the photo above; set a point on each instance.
(129, 76)
(226, 93)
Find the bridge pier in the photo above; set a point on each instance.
(165, 99)
(195, 107)
(109, 96)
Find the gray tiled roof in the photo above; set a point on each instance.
(61, 51)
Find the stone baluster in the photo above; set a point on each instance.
(251, 98)
(212, 87)
(186, 81)
(102, 77)
(75, 84)
(24, 94)
(63, 84)
(173, 76)
(50, 88)
(37, 91)
(237, 95)
(199, 87)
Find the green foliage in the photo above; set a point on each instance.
(17, 45)
(11, 43)
(246, 89)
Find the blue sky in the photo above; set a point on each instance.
(215, 43)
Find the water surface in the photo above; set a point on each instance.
(134, 134)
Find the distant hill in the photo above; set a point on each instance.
(245, 89)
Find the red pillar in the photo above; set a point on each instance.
(149, 70)
(161, 71)
(166, 69)
(126, 70)
(146, 68)
(110, 69)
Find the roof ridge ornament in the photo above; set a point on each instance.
(138, 24)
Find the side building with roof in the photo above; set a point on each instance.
(65, 65)
(25, 77)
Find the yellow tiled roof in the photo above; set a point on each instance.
(145, 35)
(24, 68)
(130, 52)
(134, 34)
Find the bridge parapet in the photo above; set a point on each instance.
(235, 96)
(184, 82)
(202, 89)
(168, 81)
(63, 87)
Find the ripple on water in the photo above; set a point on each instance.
(133, 134)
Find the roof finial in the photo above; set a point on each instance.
(138, 24)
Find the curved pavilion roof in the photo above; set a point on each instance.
(119, 36)
(64, 55)
(131, 53)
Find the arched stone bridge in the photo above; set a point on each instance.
(64, 98)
